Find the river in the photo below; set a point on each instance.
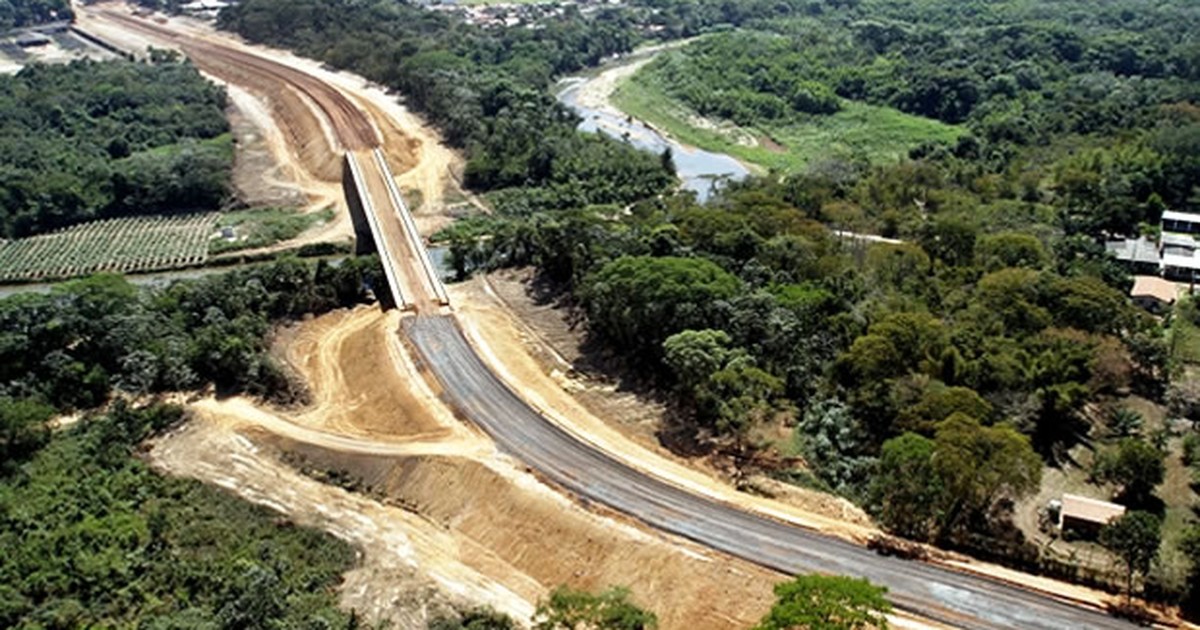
(589, 97)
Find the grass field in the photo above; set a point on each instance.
(265, 226)
(878, 134)
(133, 244)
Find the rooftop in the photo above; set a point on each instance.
(1138, 250)
(1090, 510)
(1172, 215)
(1155, 287)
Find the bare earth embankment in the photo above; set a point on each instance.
(440, 516)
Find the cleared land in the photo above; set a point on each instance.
(441, 516)
(133, 244)
(265, 226)
(877, 134)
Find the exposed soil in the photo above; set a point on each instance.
(532, 538)
(362, 379)
(441, 516)
(408, 570)
(618, 422)
(257, 180)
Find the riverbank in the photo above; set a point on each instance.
(590, 96)
(623, 99)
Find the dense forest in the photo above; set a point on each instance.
(932, 380)
(18, 13)
(93, 538)
(72, 347)
(89, 140)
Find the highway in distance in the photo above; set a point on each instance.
(958, 599)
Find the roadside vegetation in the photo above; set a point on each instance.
(19, 13)
(940, 382)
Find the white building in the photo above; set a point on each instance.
(1174, 255)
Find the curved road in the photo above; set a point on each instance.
(957, 599)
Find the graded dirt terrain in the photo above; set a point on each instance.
(435, 498)
(289, 99)
(448, 479)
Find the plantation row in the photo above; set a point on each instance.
(124, 245)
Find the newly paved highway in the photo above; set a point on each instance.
(958, 599)
(954, 598)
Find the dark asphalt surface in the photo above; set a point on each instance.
(958, 599)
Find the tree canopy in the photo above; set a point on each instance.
(88, 140)
(818, 602)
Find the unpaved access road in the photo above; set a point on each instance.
(957, 599)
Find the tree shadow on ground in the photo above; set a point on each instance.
(678, 432)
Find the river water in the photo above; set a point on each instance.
(699, 170)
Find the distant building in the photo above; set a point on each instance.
(31, 39)
(1086, 516)
(1174, 255)
(1141, 254)
(1180, 222)
(1154, 294)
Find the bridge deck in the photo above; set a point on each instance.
(407, 263)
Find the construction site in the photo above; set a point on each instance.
(445, 439)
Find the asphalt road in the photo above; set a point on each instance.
(958, 599)
(954, 598)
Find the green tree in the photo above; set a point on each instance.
(926, 487)
(938, 402)
(638, 301)
(695, 355)
(907, 492)
(1189, 544)
(1010, 249)
(474, 619)
(1135, 466)
(23, 429)
(569, 609)
(1135, 538)
(981, 466)
(819, 602)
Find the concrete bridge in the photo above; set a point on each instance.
(384, 224)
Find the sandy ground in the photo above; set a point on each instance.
(294, 131)
(443, 517)
(408, 569)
